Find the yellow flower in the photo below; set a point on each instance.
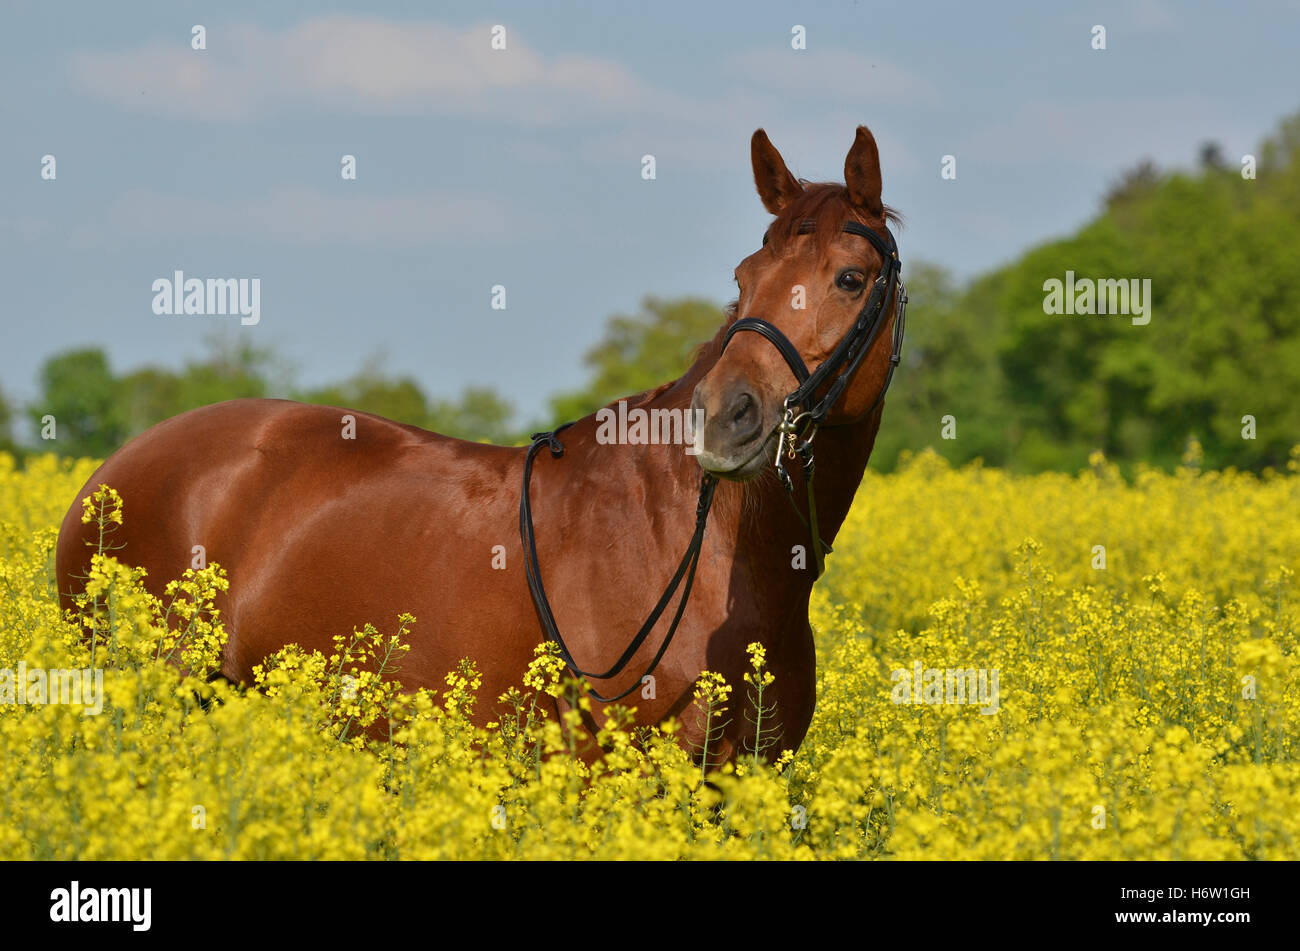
(1150, 709)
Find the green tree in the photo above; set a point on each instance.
(230, 368)
(1223, 341)
(949, 367)
(479, 415)
(79, 391)
(640, 351)
(371, 390)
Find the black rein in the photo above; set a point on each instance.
(686, 569)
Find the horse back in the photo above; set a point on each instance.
(315, 512)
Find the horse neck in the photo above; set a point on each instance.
(841, 454)
(758, 515)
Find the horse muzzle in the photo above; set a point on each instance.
(738, 431)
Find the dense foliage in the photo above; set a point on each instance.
(1034, 391)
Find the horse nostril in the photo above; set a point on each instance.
(744, 418)
(742, 408)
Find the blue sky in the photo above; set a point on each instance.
(522, 167)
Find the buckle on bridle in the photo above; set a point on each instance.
(793, 428)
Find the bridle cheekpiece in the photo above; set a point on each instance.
(797, 428)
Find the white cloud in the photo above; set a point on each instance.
(349, 63)
(343, 64)
(339, 63)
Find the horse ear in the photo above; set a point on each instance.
(862, 173)
(776, 186)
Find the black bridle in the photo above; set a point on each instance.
(797, 430)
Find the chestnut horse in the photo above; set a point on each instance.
(320, 533)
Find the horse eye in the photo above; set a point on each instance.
(849, 280)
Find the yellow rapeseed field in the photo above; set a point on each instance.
(1051, 666)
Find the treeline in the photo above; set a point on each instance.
(1031, 391)
(94, 410)
(1218, 359)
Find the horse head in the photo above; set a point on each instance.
(818, 293)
